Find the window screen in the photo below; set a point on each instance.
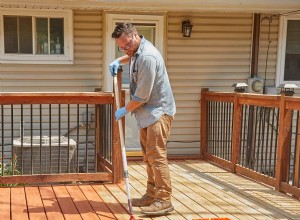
(18, 34)
(292, 53)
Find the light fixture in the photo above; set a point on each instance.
(288, 89)
(240, 87)
(186, 28)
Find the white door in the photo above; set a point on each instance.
(152, 28)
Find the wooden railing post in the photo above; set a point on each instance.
(284, 144)
(297, 156)
(203, 125)
(236, 132)
(118, 173)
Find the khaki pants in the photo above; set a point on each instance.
(153, 141)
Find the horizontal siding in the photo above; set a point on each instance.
(82, 76)
(216, 55)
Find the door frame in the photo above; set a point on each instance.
(109, 21)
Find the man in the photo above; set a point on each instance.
(153, 104)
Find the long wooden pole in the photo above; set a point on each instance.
(124, 159)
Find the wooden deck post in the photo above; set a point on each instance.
(118, 173)
(297, 157)
(236, 133)
(203, 125)
(284, 144)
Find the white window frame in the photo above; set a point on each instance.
(282, 32)
(66, 58)
(111, 19)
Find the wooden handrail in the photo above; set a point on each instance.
(56, 98)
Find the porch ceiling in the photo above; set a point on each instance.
(259, 6)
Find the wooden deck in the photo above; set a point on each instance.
(200, 190)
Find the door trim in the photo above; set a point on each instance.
(110, 19)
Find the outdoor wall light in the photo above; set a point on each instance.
(240, 87)
(288, 89)
(186, 28)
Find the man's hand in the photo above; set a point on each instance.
(120, 113)
(114, 66)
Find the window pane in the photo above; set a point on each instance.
(25, 35)
(56, 35)
(10, 34)
(42, 36)
(18, 34)
(292, 54)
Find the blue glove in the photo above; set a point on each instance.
(114, 66)
(120, 113)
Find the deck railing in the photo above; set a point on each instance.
(58, 137)
(254, 135)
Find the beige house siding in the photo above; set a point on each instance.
(216, 56)
(82, 76)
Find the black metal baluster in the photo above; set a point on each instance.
(77, 132)
(244, 127)
(22, 139)
(31, 138)
(267, 155)
(231, 128)
(59, 138)
(214, 129)
(276, 142)
(68, 136)
(218, 128)
(86, 138)
(263, 121)
(41, 139)
(290, 160)
(271, 144)
(209, 126)
(257, 141)
(50, 136)
(226, 130)
(12, 140)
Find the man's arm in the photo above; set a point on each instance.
(124, 59)
(132, 105)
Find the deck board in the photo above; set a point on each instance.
(200, 190)
(115, 207)
(35, 204)
(83, 206)
(50, 202)
(18, 204)
(97, 203)
(66, 203)
(5, 203)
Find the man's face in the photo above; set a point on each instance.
(128, 44)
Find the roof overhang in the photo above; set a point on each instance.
(251, 6)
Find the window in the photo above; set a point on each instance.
(36, 36)
(288, 64)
